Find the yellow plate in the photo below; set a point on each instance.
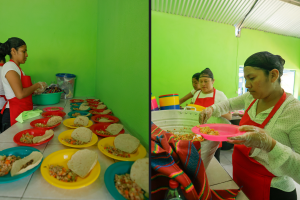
(140, 153)
(67, 134)
(70, 122)
(61, 158)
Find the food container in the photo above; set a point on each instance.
(154, 105)
(169, 102)
(46, 99)
(67, 83)
(193, 107)
(181, 122)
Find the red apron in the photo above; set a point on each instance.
(1, 64)
(247, 172)
(17, 106)
(206, 102)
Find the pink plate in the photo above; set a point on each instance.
(225, 130)
(34, 132)
(51, 109)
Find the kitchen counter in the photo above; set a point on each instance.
(35, 187)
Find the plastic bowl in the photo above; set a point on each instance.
(46, 99)
(81, 112)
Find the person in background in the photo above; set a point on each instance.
(17, 86)
(2, 94)
(265, 159)
(196, 86)
(208, 95)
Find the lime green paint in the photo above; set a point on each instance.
(123, 63)
(182, 46)
(60, 36)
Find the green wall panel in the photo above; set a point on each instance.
(182, 46)
(60, 36)
(122, 77)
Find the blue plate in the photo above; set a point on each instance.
(109, 177)
(78, 103)
(22, 152)
(72, 108)
(81, 112)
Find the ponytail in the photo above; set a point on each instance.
(5, 48)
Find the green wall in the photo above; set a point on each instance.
(60, 36)
(122, 81)
(182, 46)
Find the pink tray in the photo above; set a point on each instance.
(225, 130)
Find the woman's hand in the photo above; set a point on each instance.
(254, 137)
(205, 115)
(41, 87)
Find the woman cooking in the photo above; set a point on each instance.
(17, 86)
(266, 158)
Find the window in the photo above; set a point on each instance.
(287, 81)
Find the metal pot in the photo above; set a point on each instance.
(181, 122)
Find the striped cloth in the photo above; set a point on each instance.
(181, 161)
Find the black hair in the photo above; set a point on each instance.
(14, 42)
(196, 76)
(266, 62)
(206, 73)
(2, 54)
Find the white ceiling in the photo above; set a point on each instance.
(273, 16)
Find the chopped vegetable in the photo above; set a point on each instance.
(27, 138)
(207, 130)
(40, 125)
(53, 109)
(6, 163)
(103, 132)
(76, 114)
(189, 136)
(74, 142)
(116, 152)
(128, 188)
(62, 174)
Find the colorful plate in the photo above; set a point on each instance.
(61, 158)
(98, 110)
(22, 152)
(43, 121)
(103, 127)
(55, 113)
(67, 134)
(76, 104)
(225, 130)
(140, 153)
(94, 118)
(70, 123)
(81, 112)
(92, 100)
(94, 107)
(109, 177)
(76, 100)
(48, 109)
(73, 109)
(34, 132)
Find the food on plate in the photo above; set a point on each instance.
(81, 121)
(73, 141)
(128, 188)
(54, 120)
(48, 134)
(6, 163)
(62, 174)
(76, 114)
(26, 163)
(41, 125)
(27, 138)
(83, 107)
(188, 136)
(101, 113)
(116, 152)
(85, 104)
(76, 100)
(82, 162)
(101, 106)
(103, 132)
(127, 143)
(104, 119)
(75, 104)
(139, 173)
(114, 129)
(207, 130)
(81, 135)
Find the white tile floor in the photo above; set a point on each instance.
(226, 162)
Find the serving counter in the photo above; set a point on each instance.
(35, 187)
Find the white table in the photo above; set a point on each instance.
(35, 186)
